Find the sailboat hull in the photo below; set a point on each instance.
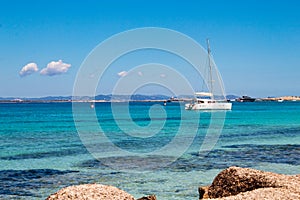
(209, 106)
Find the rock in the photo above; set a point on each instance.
(264, 194)
(203, 192)
(248, 183)
(235, 180)
(90, 192)
(151, 197)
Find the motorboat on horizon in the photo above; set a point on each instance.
(245, 99)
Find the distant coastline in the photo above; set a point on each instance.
(77, 101)
(127, 98)
(284, 98)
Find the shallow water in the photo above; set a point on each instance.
(41, 151)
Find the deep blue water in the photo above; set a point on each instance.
(43, 150)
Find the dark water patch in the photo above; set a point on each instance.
(49, 154)
(93, 163)
(196, 163)
(239, 155)
(140, 144)
(24, 182)
(262, 131)
(143, 145)
(280, 132)
(284, 154)
(238, 126)
(129, 162)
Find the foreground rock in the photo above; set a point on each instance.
(243, 183)
(90, 192)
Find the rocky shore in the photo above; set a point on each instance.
(234, 183)
(94, 192)
(90, 191)
(237, 183)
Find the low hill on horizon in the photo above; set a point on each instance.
(103, 97)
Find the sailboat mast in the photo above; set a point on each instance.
(210, 67)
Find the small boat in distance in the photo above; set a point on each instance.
(92, 105)
(245, 99)
(280, 100)
(206, 100)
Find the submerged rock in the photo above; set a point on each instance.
(151, 197)
(90, 192)
(244, 183)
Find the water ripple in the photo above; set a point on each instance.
(22, 182)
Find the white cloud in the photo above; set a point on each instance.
(122, 73)
(28, 69)
(162, 75)
(140, 73)
(55, 68)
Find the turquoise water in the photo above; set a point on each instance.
(41, 151)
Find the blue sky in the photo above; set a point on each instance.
(255, 44)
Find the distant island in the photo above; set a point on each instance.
(98, 98)
(124, 98)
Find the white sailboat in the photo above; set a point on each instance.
(207, 100)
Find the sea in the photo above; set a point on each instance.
(143, 148)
